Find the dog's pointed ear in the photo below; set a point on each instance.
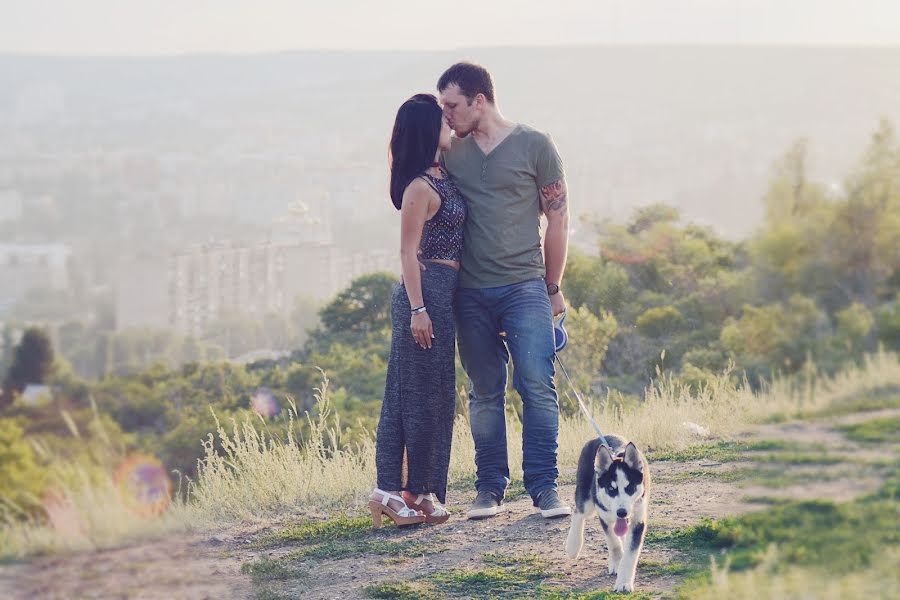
(633, 457)
(603, 460)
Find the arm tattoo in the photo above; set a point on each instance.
(553, 196)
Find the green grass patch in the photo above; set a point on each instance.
(404, 590)
(545, 594)
(773, 451)
(500, 559)
(490, 581)
(371, 543)
(761, 452)
(505, 575)
(890, 489)
(686, 538)
(266, 569)
(515, 490)
(725, 451)
(337, 549)
(800, 458)
(652, 568)
(270, 595)
(727, 475)
(807, 533)
(767, 500)
(880, 400)
(885, 430)
(876, 400)
(339, 527)
(780, 479)
(834, 540)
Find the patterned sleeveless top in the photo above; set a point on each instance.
(442, 235)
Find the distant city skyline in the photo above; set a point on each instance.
(162, 27)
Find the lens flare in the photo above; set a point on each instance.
(263, 403)
(143, 484)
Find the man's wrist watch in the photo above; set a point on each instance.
(552, 289)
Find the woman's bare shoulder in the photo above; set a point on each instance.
(420, 190)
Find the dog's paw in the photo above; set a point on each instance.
(623, 587)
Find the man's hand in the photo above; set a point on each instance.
(557, 304)
(421, 268)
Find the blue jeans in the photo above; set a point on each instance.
(522, 310)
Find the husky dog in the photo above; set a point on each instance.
(613, 482)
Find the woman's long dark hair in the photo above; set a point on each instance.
(414, 142)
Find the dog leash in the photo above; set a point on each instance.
(562, 338)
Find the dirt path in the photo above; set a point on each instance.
(783, 464)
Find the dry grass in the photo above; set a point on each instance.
(87, 514)
(259, 475)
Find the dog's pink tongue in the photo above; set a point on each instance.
(621, 527)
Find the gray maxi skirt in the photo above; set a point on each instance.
(420, 392)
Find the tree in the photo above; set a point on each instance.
(888, 324)
(864, 233)
(660, 321)
(32, 362)
(778, 337)
(787, 252)
(791, 195)
(363, 307)
(597, 285)
(853, 327)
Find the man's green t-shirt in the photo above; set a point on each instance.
(502, 240)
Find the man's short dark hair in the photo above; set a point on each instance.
(472, 80)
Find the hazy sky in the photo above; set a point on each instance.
(182, 26)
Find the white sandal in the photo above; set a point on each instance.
(404, 516)
(439, 514)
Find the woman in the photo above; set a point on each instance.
(420, 392)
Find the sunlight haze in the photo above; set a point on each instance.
(104, 27)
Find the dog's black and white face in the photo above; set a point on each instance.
(619, 485)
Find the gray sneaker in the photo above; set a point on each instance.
(549, 505)
(487, 504)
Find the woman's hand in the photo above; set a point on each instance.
(420, 325)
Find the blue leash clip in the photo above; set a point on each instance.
(559, 332)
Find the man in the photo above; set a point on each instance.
(510, 174)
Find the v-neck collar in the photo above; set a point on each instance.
(497, 147)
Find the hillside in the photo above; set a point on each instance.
(831, 464)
